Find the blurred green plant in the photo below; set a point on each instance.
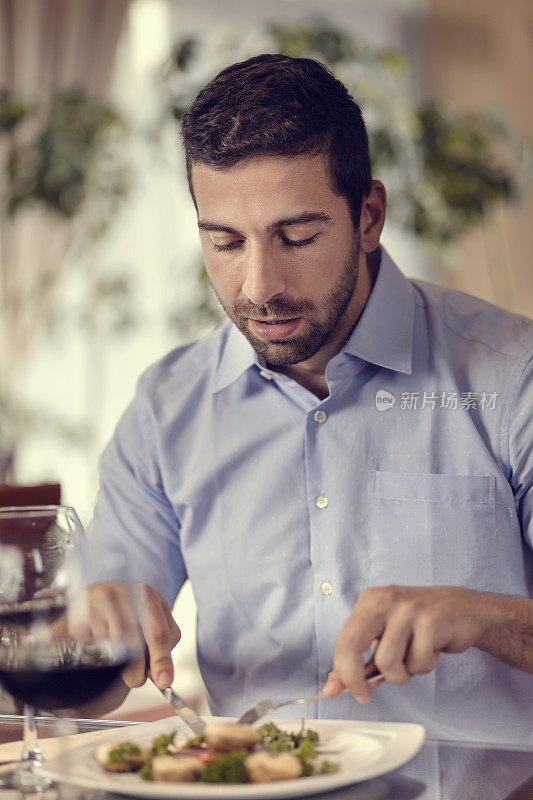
(460, 166)
(111, 297)
(73, 156)
(18, 420)
(70, 159)
(22, 420)
(12, 111)
(200, 316)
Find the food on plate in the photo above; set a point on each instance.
(226, 768)
(170, 768)
(230, 737)
(223, 754)
(122, 756)
(264, 767)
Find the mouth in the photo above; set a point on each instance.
(269, 321)
(274, 329)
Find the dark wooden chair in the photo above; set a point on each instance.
(45, 494)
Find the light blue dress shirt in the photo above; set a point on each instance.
(417, 469)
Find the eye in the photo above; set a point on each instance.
(220, 248)
(298, 242)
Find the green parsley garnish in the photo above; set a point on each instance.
(146, 770)
(227, 768)
(159, 748)
(196, 742)
(161, 743)
(327, 767)
(302, 745)
(123, 752)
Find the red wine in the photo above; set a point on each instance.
(55, 681)
(45, 609)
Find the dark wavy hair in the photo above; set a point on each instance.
(274, 104)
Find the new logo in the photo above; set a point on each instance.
(384, 400)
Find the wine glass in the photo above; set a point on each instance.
(42, 663)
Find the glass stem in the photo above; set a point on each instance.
(31, 750)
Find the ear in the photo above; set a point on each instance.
(372, 220)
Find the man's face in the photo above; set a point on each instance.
(281, 253)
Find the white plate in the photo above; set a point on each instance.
(363, 750)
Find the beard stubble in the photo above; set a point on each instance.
(323, 318)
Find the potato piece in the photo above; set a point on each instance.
(179, 741)
(176, 768)
(230, 737)
(266, 767)
(130, 762)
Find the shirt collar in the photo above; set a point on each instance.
(382, 336)
(237, 356)
(384, 333)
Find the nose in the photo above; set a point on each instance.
(264, 277)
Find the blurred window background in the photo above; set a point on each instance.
(101, 271)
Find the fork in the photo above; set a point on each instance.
(265, 706)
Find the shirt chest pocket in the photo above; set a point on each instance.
(431, 529)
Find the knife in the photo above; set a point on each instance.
(188, 715)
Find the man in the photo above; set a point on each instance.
(347, 461)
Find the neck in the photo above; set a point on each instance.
(311, 374)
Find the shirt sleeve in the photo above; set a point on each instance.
(521, 452)
(134, 529)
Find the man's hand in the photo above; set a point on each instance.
(413, 625)
(161, 635)
(113, 609)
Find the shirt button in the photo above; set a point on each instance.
(320, 416)
(321, 501)
(326, 588)
(265, 375)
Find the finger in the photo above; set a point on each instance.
(333, 687)
(134, 675)
(422, 655)
(117, 616)
(354, 639)
(61, 628)
(76, 623)
(350, 668)
(161, 666)
(391, 651)
(161, 635)
(111, 614)
(375, 683)
(372, 673)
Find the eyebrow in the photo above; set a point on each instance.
(298, 219)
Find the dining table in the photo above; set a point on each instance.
(441, 770)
